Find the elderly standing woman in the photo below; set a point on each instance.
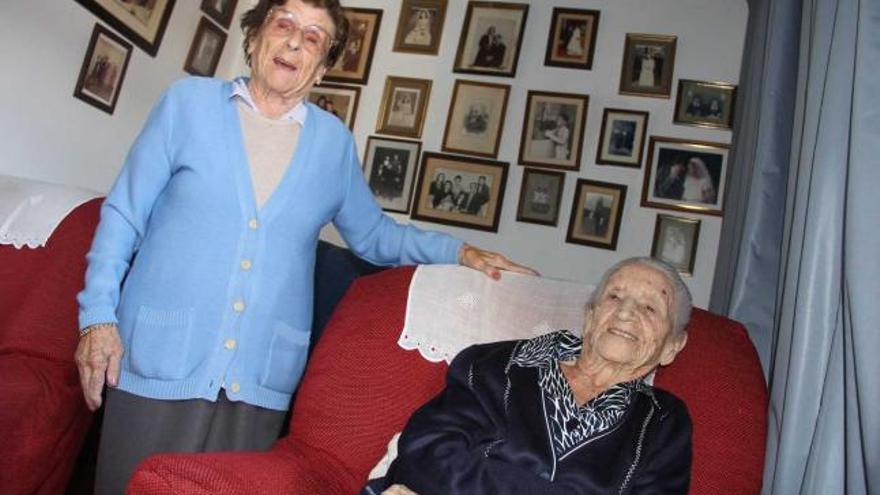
(561, 414)
(198, 295)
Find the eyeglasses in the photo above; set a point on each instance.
(284, 23)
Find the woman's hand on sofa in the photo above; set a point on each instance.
(489, 262)
(97, 357)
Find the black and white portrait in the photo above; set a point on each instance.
(491, 38)
(460, 192)
(390, 167)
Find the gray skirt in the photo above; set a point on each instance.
(135, 427)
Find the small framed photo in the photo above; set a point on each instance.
(461, 191)
(539, 196)
(675, 242)
(596, 214)
(685, 175)
(476, 118)
(390, 168)
(338, 99)
(404, 106)
(420, 26)
(648, 63)
(220, 11)
(553, 131)
(353, 65)
(103, 69)
(622, 138)
(705, 104)
(142, 22)
(205, 50)
(491, 38)
(572, 40)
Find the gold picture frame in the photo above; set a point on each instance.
(476, 118)
(420, 26)
(356, 59)
(648, 65)
(404, 106)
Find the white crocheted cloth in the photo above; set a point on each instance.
(31, 210)
(452, 307)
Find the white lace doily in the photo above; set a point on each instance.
(452, 307)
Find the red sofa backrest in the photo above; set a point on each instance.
(361, 387)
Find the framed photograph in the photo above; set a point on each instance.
(648, 63)
(685, 175)
(142, 22)
(205, 49)
(705, 104)
(491, 38)
(103, 69)
(338, 99)
(596, 214)
(220, 11)
(420, 26)
(353, 65)
(476, 118)
(675, 242)
(461, 191)
(390, 168)
(572, 39)
(539, 196)
(622, 138)
(553, 130)
(404, 106)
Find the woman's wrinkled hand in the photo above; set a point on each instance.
(489, 262)
(98, 357)
(398, 490)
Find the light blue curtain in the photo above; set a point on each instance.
(820, 268)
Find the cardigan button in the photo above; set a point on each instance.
(238, 306)
(229, 344)
(246, 265)
(253, 224)
(235, 387)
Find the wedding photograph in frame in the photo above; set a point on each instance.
(491, 38)
(142, 23)
(460, 191)
(622, 137)
(354, 63)
(685, 175)
(540, 196)
(338, 99)
(596, 214)
(476, 118)
(103, 69)
(420, 26)
(404, 106)
(205, 50)
(675, 242)
(572, 39)
(648, 65)
(390, 169)
(220, 11)
(705, 104)
(553, 130)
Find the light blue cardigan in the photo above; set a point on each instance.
(209, 291)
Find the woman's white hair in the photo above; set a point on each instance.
(681, 297)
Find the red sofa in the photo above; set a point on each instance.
(43, 417)
(360, 387)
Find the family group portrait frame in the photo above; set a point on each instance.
(705, 104)
(540, 196)
(356, 59)
(103, 69)
(404, 106)
(648, 65)
(596, 214)
(390, 169)
(460, 191)
(622, 137)
(553, 130)
(476, 118)
(572, 38)
(338, 99)
(685, 175)
(420, 26)
(675, 242)
(142, 25)
(220, 11)
(205, 49)
(491, 38)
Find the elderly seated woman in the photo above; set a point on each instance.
(561, 414)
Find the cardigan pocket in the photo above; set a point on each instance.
(160, 343)
(287, 358)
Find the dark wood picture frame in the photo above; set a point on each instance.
(592, 223)
(481, 127)
(571, 42)
(147, 36)
(404, 106)
(482, 207)
(705, 104)
(336, 99)
(102, 72)
(483, 48)
(204, 54)
(648, 65)
(675, 251)
(220, 11)
(392, 184)
(543, 142)
(621, 138)
(540, 196)
(420, 26)
(356, 60)
(672, 182)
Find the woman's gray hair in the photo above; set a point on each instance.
(681, 297)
